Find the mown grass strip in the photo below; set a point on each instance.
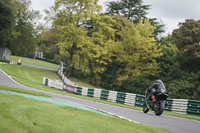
(22, 91)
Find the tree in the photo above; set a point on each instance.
(168, 61)
(185, 85)
(180, 83)
(47, 44)
(22, 40)
(187, 39)
(121, 22)
(88, 53)
(84, 34)
(74, 40)
(133, 10)
(137, 52)
(69, 18)
(6, 21)
(74, 11)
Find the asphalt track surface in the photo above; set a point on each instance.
(175, 124)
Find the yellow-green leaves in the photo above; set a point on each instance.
(103, 27)
(137, 52)
(96, 42)
(70, 36)
(76, 11)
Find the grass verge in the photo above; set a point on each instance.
(19, 115)
(34, 62)
(29, 76)
(22, 91)
(32, 77)
(81, 83)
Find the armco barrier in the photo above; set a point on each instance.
(59, 72)
(84, 91)
(130, 99)
(67, 81)
(112, 96)
(45, 81)
(63, 77)
(121, 97)
(97, 93)
(90, 92)
(104, 94)
(179, 105)
(69, 88)
(53, 83)
(79, 90)
(169, 104)
(139, 100)
(56, 84)
(193, 107)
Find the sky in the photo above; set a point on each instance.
(168, 12)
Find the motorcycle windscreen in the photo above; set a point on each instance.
(162, 92)
(162, 88)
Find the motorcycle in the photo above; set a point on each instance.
(156, 100)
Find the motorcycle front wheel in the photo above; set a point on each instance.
(145, 109)
(160, 107)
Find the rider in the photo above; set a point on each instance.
(152, 89)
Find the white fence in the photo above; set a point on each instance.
(130, 99)
(84, 91)
(39, 54)
(13, 62)
(97, 93)
(112, 96)
(53, 83)
(180, 105)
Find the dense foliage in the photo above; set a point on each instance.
(18, 26)
(6, 21)
(133, 10)
(118, 50)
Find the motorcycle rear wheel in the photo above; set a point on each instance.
(161, 107)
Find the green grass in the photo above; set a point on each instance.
(29, 76)
(22, 91)
(32, 77)
(4, 60)
(80, 82)
(21, 115)
(34, 62)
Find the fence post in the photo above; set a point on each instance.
(61, 65)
